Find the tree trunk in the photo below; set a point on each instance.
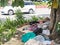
(55, 17)
(52, 23)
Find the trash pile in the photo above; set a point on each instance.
(39, 34)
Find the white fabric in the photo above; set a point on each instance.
(40, 25)
(34, 42)
(47, 42)
(44, 26)
(39, 38)
(46, 32)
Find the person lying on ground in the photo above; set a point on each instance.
(33, 26)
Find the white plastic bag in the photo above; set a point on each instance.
(46, 32)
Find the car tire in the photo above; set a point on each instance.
(31, 11)
(10, 12)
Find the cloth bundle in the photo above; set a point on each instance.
(25, 37)
(38, 40)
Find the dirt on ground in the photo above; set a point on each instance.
(13, 41)
(16, 40)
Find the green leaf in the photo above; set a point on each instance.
(18, 3)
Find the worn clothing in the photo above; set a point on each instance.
(25, 37)
(38, 40)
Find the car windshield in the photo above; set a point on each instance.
(28, 3)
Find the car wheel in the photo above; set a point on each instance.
(10, 12)
(31, 11)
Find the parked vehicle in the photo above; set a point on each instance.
(28, 7)
(7, 10)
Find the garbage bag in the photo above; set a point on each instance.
(25, 37)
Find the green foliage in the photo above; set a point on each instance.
(49, 3)
(59, 3)
(18, 3)
(2, 28)
(9, 24)
(40, 3)
(37, 3)
(7, 30)
(10, 28)
(19, 14)
(3, 2)
(58, 28)
(10, 33)
(41, 18)
(19, 18)
(34, 18)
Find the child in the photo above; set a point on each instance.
(33, 25)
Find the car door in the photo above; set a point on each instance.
(27, 6)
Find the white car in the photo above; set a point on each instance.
(7, 10)
(28, 7)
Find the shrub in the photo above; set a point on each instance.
(34, 18)
(58, 28)
(7, 30)
(41, 18)
(37, 3)
(2, 29)
(19, 14)
(19, 18)
(9, 24)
